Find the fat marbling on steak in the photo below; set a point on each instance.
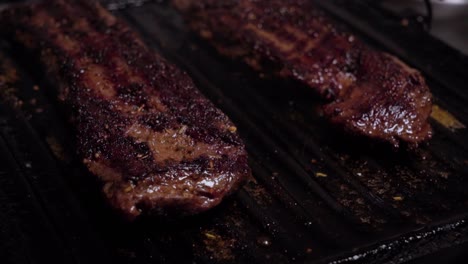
(157, 144)
(369, 92)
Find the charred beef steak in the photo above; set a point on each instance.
(369, 92)
(157, 144)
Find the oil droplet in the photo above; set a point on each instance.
(264, 241)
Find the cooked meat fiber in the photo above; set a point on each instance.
(370, 93)
(157, 144)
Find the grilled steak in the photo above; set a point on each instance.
(157, 144)
(368, 92)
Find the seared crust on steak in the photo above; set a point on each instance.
(156, 143)
(369, 92)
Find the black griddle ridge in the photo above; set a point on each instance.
(51, 210)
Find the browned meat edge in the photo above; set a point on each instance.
(157, 144)
(369, 92)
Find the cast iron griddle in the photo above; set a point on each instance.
(317, 195)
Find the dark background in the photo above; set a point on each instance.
(51, 210)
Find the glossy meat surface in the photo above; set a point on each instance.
(368, 92)
(157, 144)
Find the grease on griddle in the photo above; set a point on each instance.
(218, 248)
(264, 241)
(259, 193)
(8, 81)
(445, 118)
(57, 148)
(321, 174)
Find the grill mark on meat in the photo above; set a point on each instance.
(142, 127)
(167, 98)
(90, 72)
(130, 84)
(367, 91)
(97, 45)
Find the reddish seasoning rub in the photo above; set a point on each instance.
(368, 92)
(157, 144)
